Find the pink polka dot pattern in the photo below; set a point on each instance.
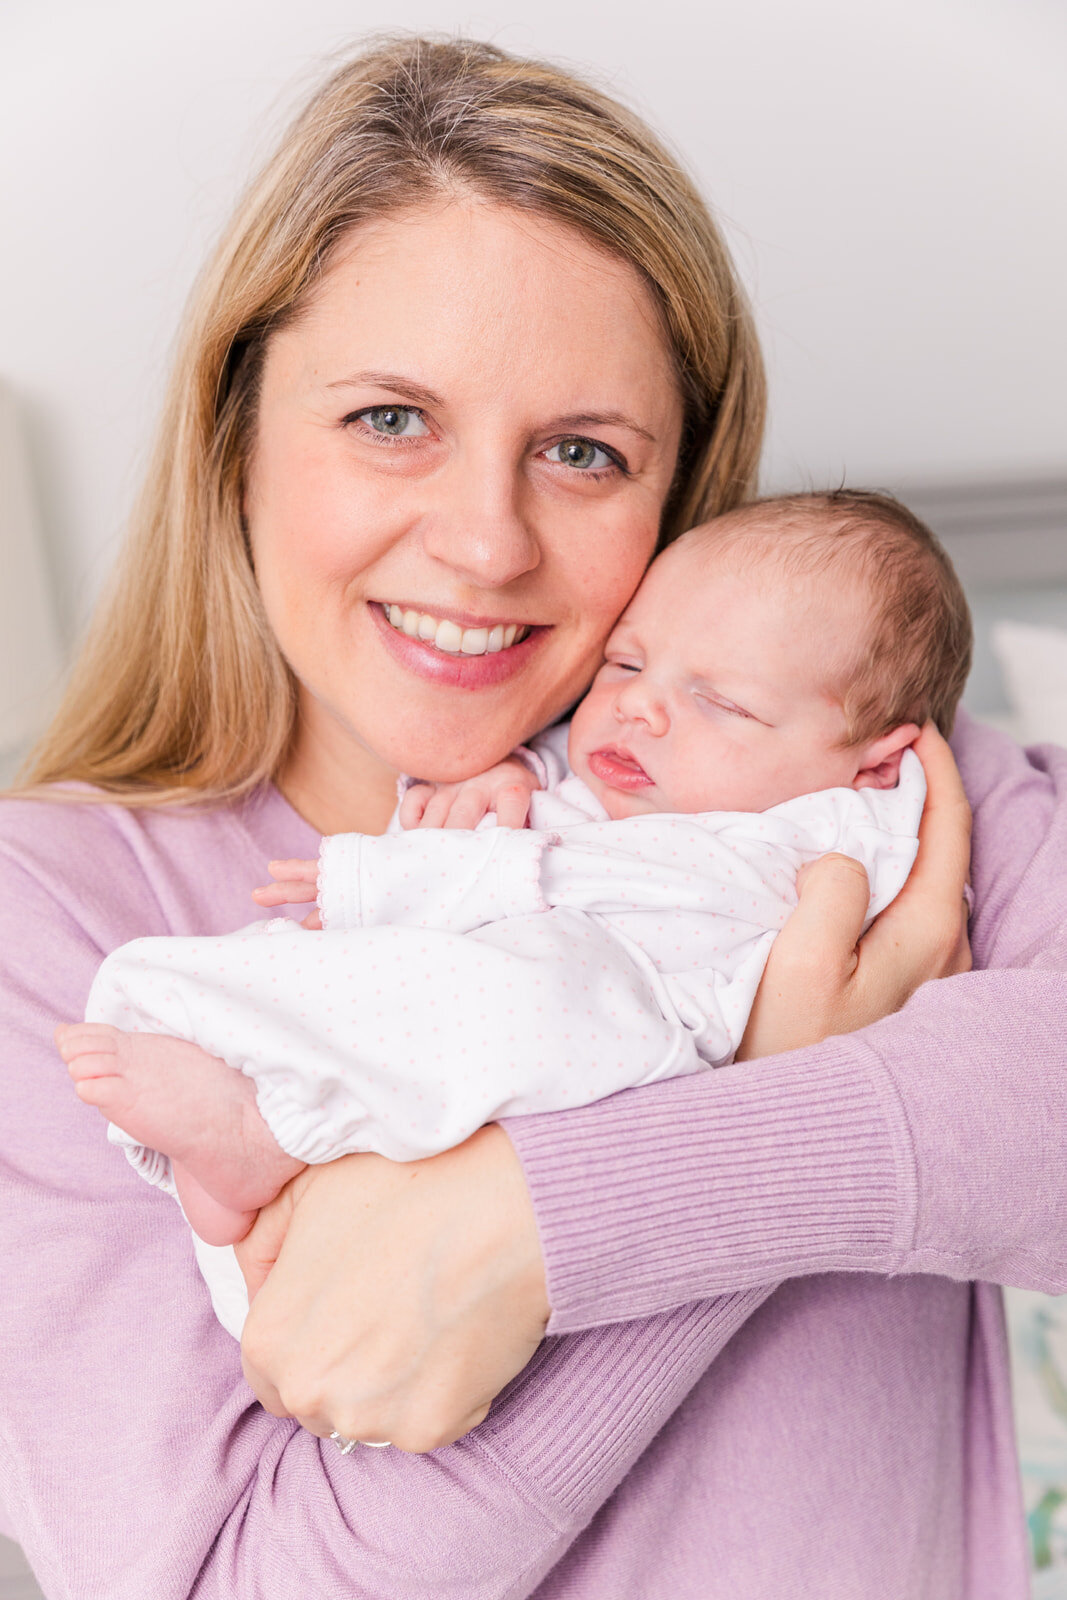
(464, 976)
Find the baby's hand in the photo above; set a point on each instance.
(505, 789)
(295, 883)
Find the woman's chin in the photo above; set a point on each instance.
(435, 761)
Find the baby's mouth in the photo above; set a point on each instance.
(618, 769)
(445, 635)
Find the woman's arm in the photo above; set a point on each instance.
(135, 1458)
(909, 1147)
(934, 1140)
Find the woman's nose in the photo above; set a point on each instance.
(478, 526)
(638, 701)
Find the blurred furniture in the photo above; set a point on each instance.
(1009, 545)
(31, 657)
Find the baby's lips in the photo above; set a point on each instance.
(618, 769)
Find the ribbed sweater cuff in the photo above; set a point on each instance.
(727, 1180)
(587, 1406)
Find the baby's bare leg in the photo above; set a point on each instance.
(173, 1097)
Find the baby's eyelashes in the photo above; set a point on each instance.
(723, 705)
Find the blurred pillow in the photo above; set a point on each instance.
(1034, 663)
(30, 655)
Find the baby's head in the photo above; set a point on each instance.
(794, 644)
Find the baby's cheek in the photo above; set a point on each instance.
(581, 740)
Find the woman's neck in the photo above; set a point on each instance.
(333, 781)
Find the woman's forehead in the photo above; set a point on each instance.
(471, 287)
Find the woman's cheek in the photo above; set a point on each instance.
(621, 560)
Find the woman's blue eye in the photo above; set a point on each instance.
(395, 422)
(582, 454)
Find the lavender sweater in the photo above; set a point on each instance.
(690, 1430)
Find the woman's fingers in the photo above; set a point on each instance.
(819, 980)
(943, 863)
(258, 1251)
(406, 1324)
(256, 1255)
(922, 935)
(804, 993)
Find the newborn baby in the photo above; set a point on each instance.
(753, 712)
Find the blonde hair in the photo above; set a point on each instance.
(916, 652)
(181, 692)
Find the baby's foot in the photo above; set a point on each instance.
(173, 1097)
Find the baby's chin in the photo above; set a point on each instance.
(619, 804)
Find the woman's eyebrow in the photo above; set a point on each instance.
(389, 380)
(605, 419)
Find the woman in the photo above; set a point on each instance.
(472, 345)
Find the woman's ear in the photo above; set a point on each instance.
(880, 760)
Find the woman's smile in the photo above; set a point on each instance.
(452, 655)
(455, 635)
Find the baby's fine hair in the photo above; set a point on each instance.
(917, 654)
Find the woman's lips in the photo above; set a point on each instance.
(618, 769)
(456, 671)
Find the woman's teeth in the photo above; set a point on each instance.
(450, 637)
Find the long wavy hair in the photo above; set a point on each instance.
(180, 692)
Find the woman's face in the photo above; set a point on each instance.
(464, 445)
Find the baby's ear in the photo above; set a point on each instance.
(880, 760)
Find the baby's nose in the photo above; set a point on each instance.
(638, 702)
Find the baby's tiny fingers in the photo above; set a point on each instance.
(413, 804)
(468, 808)
(512, 806)
(438, 807)
(297, 892)
(302, 871)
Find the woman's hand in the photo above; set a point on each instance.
(395, 1300)
(822, 978)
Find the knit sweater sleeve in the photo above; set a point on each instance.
(934, 1141)
(135, 1460)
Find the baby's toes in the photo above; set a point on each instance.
(75, 1040)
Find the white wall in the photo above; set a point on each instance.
(893, 178)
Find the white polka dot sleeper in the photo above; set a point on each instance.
(464, 976)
